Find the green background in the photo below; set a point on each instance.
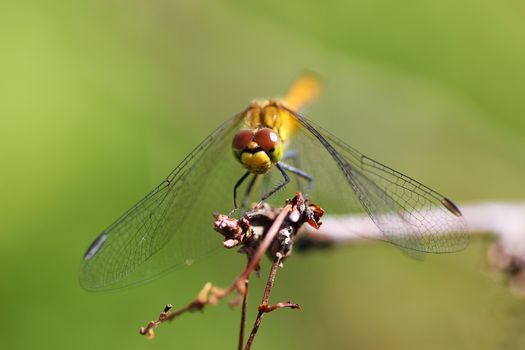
(99, 100)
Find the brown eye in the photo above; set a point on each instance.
(242, 139)
(266, 138)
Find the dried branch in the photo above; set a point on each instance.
(209, 295)
(264, 307)
(262, 230)
(243, 316)
(505, 220)
(273, 231)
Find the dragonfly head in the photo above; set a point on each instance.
(257, 149)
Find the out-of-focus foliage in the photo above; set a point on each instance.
(99, 100)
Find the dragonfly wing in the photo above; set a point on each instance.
(170, 226)
(408, 213)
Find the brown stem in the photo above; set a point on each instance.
(265, 244)
(243, 315)
(211, 294)
(270, 308)
(295, 213)
(269, 285)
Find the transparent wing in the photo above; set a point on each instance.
(172, 225)
(408, 213)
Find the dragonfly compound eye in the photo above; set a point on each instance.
(242, 139)
(270, 142)
(267, 139)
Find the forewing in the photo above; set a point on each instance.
(408, 213)
(172, 225)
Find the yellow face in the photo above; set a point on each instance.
(257, 149)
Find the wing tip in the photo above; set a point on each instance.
(447, 203)
(95, 247)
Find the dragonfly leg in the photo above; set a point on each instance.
(291, 154)
(237, 184)
(279, 186)
(248, 193)
(300, 173)
(296, 163)
(265, 184)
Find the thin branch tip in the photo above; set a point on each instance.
(262, 230)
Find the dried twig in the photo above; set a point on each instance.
(209, 294)
(262, 230)
(266, 230)
(264, 307)
(243, 316)
(504, 220)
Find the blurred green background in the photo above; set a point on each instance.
(99, 100)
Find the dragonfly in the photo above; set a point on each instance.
(266, 153)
